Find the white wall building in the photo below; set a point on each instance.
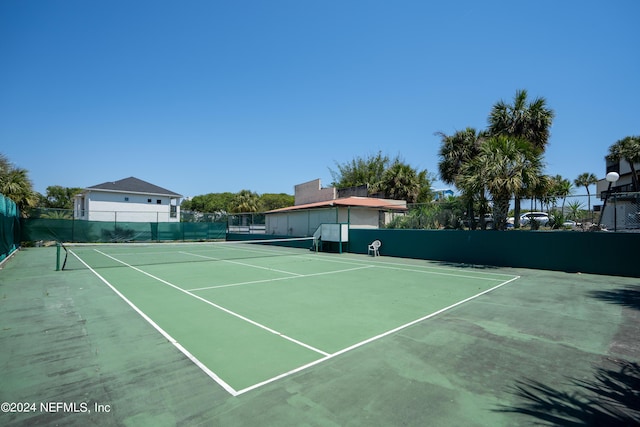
(127, 200)
(622, 210)
(315, 205)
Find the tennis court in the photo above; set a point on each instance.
(255, 334)
(251, 313)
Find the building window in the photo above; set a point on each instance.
(126, 199)
(148, 200)
(158, 202)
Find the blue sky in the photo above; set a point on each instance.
(214, 96)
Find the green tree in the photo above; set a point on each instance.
(394, 178)
(59, 197)
(529, 121)
(16, 185)
(575, 210)
(361, 171)
(455, 151)
(402, 182)
(504, 166)
(271, 201)
(585, 180)
(628, 149)
(561, 188)
(209, 203)
(244, 201)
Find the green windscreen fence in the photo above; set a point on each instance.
(70, 230)
(10, 227)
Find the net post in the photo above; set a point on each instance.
(57, 256)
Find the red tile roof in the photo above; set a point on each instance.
(367, 202)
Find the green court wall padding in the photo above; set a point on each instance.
(65, 230)
(9, 227)
(570, 251)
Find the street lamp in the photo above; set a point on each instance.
(611, 178)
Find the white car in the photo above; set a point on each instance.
(541, 217)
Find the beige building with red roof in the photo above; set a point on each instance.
(315, 205)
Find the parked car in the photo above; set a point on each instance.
(488, 220)
(542, 218)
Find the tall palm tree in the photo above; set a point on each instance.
(456, 150)
(530, 121)
(504, 166)
(628, 149)
(585, 180)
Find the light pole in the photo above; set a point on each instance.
(611, 178)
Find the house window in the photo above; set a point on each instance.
(158, 202)
(126, 199)
(148, 200)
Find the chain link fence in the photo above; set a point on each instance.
(621, 212)
(582, 212)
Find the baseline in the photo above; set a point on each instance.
(374, 338)
(162, 332)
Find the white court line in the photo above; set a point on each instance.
(326, 357)
(464, 276)
(164, 333)
(377, 337)
(300, 276)
(414, 269)
(398, 266)
(219, 307)
(240, 263)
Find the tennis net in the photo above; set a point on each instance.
(76, 256)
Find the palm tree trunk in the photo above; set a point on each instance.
(516, 213)
(500, 212)
(634, 176)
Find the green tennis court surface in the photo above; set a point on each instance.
(249, 313)
(242, 335)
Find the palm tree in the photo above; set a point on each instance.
(585, 180)
(628, 149)
(561, 188)
(244, 201)
(504, 166)
(575, 210)
(529, 121)
(455, 151)
(402, 182)
(16, 185)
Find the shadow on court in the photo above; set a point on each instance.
(465, 266)
(627, 297)
(610, 398)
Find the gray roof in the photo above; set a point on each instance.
(133, 185)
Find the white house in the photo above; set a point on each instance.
(127, 200)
